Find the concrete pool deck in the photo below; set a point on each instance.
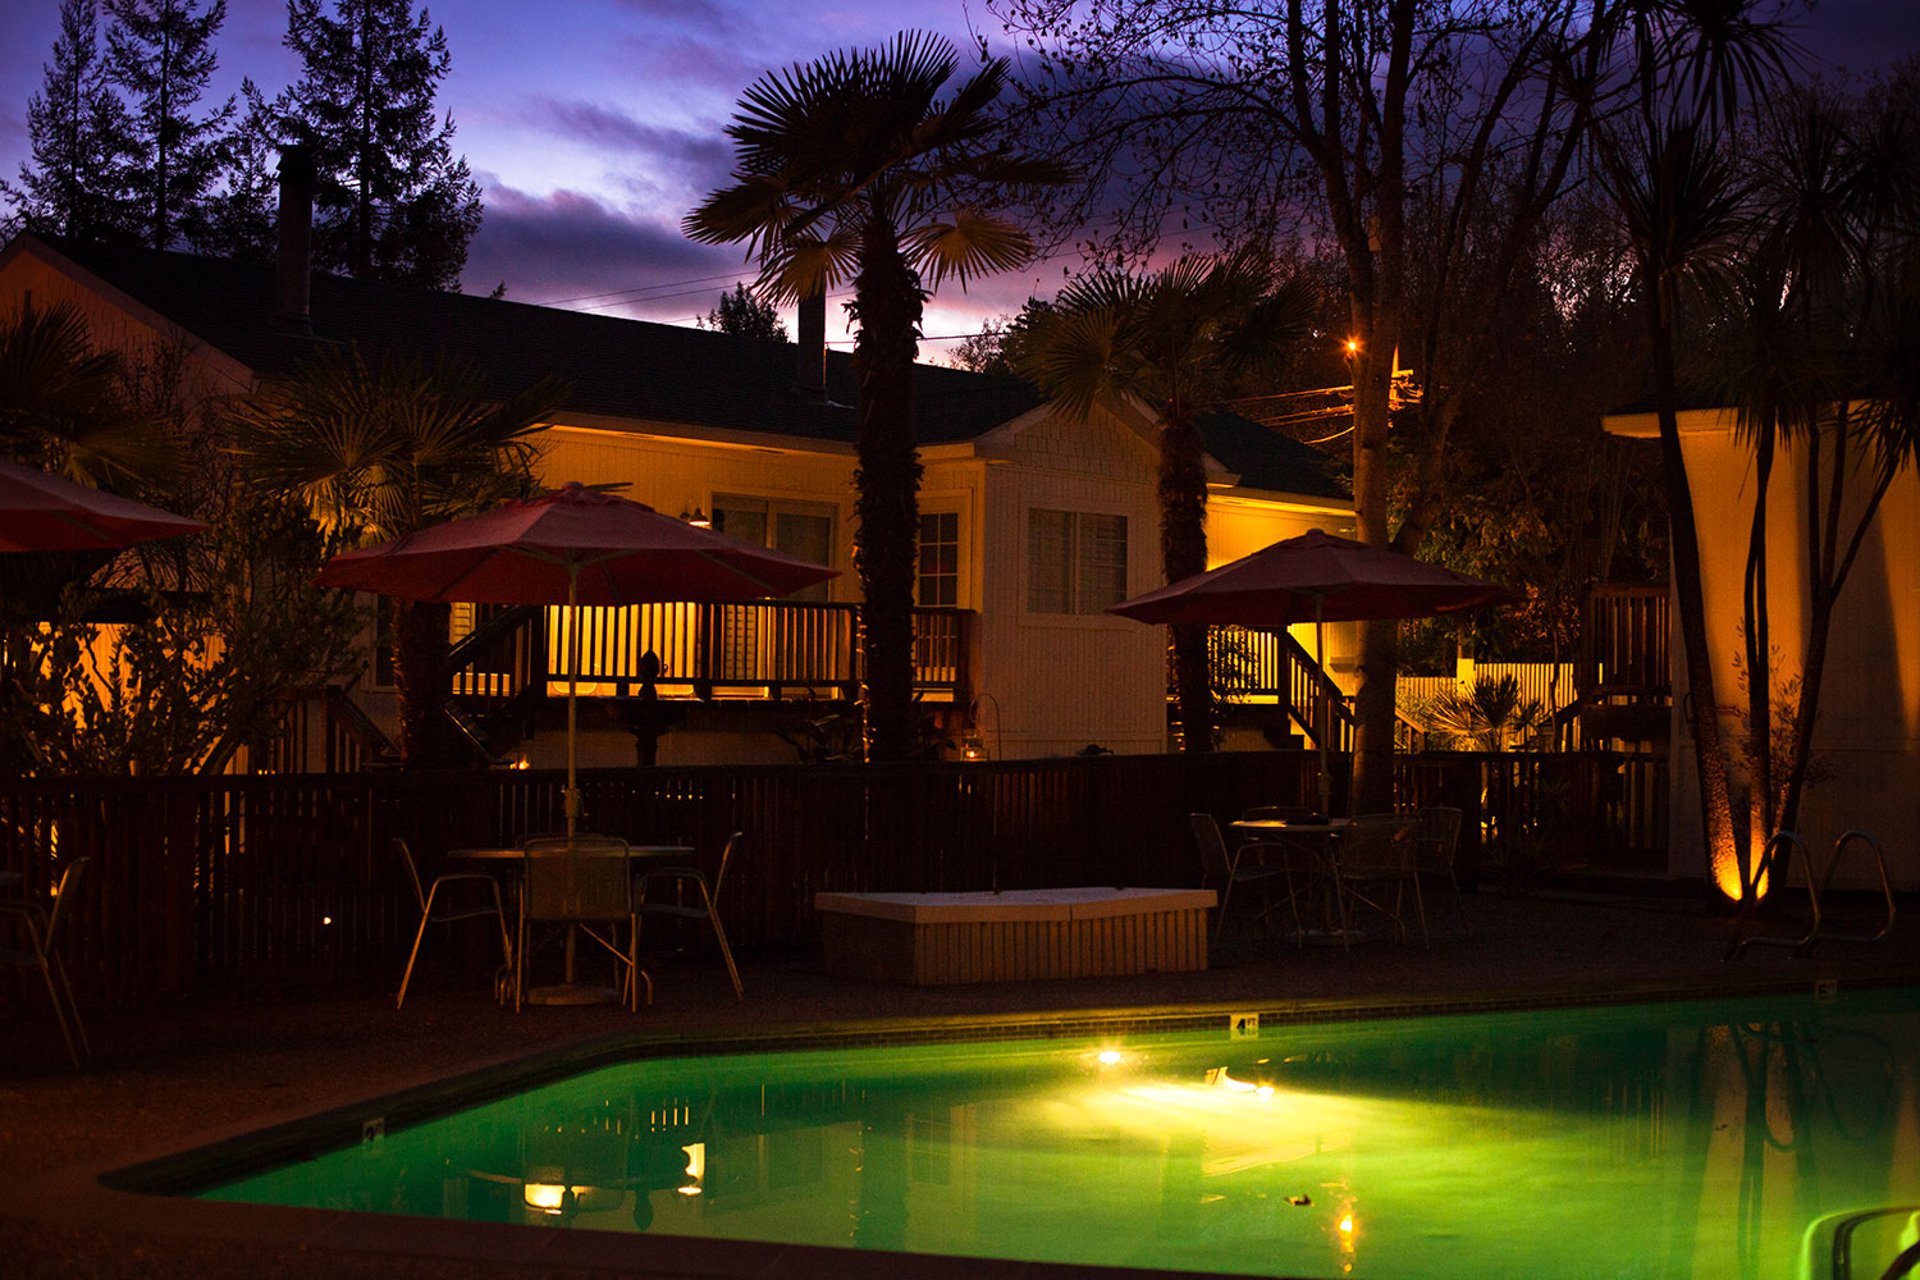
(169, 1079)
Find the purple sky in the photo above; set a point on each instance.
(593, 125)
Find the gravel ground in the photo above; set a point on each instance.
(169, 1078)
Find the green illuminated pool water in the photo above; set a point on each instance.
(1688, 1140)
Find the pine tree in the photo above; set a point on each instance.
(392, 201)
(241, 218)
(160, 53)
(78, 127)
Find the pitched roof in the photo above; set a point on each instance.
(614, 366)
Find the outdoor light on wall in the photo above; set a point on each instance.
(697, 518)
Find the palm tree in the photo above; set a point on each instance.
(853, 168)
(378, 450)
(1173, 341)
(65, 406)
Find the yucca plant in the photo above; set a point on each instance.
(1491, 716)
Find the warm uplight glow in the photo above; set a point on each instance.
(696, 1167)
(1346, 1224)
(547, 1197)
(1219, 1079)
(1110, 1057)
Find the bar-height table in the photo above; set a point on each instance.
(569, 991)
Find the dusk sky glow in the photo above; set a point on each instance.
(594, 125)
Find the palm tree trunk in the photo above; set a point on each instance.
(420, 674)
(1183, 553)
(887, 306)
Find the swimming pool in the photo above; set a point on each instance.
(1756, 1138)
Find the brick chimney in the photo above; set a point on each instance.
(294, 313)
(810, 378)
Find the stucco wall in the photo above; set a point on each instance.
(1868, 735)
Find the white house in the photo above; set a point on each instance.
(1032, 523)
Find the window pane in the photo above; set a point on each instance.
(1049, 561)
(741, 518)
(808, 537)
(939, 560)
(1103, 562)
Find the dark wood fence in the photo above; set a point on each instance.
(287, 882)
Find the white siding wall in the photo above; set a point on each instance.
(675, 476)
(1062, 682)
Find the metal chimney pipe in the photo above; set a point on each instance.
(810, 378)
(295, 311)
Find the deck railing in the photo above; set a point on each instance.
(763, 646)
(286, 883)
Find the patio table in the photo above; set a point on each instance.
(1328, 832)
(569, 990)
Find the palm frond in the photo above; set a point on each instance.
(1071, 356)
(969, 243)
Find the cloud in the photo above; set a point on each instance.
(566, 245)
(703, 155)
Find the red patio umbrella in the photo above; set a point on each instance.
(42, 512)
(573, 546)
(1315, 578)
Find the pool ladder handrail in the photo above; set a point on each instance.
(1772, 864)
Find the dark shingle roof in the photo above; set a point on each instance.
(614, 366)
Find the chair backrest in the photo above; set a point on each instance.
(727, 851)
(1378, 844)
(405, 854)
(1215, 866)
(63, 894)
(585, 878)
(1439, 837)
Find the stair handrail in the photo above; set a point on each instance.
(352, 719)
(1339, 711)
(501, 625)
(1848, 837)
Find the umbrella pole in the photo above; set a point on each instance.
(571, 799)
(1324, 712)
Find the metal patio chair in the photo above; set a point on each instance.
(679, 879)
(581, 881)
(1379, 851)
(1439, 839)
(441, 903)
(40, 931)
(1224, 869)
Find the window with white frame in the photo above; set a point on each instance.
(1076, 561)
(937, 581)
